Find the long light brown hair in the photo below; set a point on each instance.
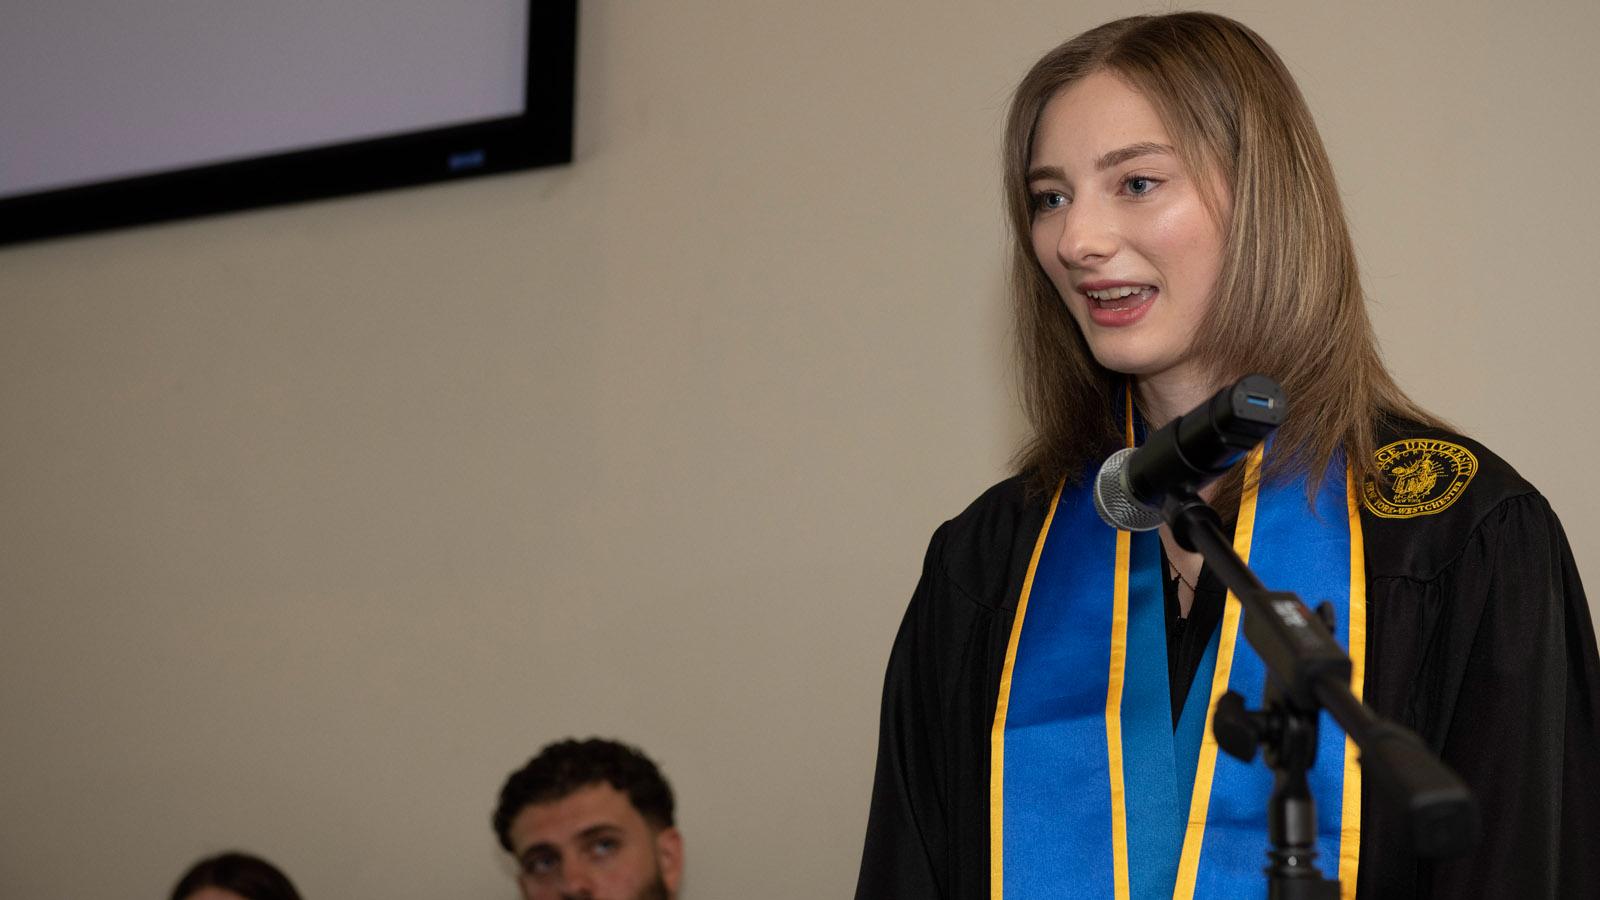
(1288, 301)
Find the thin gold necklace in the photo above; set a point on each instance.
(1173, 568)
(1166, 553)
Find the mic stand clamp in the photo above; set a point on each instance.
(1287, 735)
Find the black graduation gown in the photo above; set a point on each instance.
(1479, 639)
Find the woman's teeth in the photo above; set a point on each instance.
(1108, 298)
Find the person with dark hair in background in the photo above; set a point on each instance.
(1046, 726)
(234, 876)
(591, 820)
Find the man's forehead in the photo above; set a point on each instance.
(562, 820)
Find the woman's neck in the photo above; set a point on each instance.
(1165, 396)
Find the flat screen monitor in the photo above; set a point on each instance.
(120, 112)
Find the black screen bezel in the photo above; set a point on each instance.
(540, 136)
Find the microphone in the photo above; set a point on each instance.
(1187, 453)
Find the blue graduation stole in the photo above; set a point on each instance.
(1093, 793)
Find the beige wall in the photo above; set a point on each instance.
(316, 521)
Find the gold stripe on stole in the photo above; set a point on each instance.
(1200, 802)
(1119, 660)
(1121, 882)
(1350, 823)
(997, 733)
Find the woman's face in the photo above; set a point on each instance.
(1121, 228)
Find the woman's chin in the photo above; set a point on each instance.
(1145, 365)
(1131, 366)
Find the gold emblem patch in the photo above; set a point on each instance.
(1424, 477)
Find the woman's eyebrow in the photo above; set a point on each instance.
(1109, 159)
(1132, 151)
(1046, 173)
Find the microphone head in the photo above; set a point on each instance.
(1114, 500)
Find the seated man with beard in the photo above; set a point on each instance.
(591, 820)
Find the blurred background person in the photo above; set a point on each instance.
(234, 876)
(592, 820)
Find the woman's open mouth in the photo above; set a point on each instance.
(1120, 305)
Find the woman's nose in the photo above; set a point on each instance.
(1087, 235)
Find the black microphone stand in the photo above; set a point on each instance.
(1309, 671)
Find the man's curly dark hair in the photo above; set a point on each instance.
(566, 766)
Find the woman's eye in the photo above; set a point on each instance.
(1043, 200)
(1138, 185)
